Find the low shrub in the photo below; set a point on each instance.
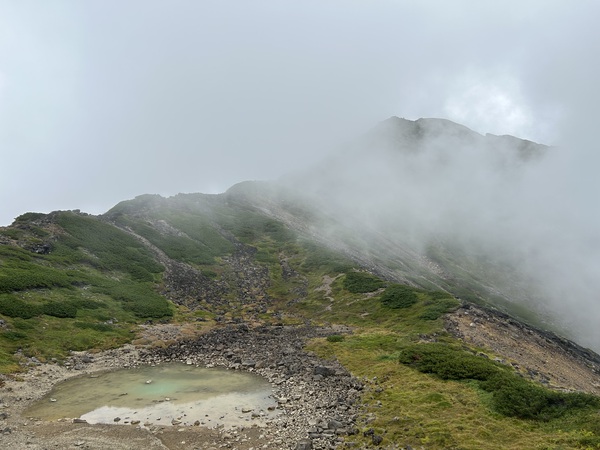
(138, 298)
(362, 282)
(59, 309)
(32, 276)
(512, 395)
(516, 397)
(101, 327)
(398, 296)
(448, 362)
(335, 338)
(14, 335)
(437, 308)
(86, 303)
(12, 306)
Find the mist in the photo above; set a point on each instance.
(104, 100)
(511, 204)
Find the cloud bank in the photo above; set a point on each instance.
(104, 100)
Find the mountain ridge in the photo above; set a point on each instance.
(268, 256)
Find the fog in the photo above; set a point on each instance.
(104, 100)
(510, 204)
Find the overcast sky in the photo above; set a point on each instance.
(103, 100)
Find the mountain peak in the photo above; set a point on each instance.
(430, 127)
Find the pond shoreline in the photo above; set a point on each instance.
(317, 399)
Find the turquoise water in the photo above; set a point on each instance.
(167, 394)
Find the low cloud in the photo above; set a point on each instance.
(510, 203)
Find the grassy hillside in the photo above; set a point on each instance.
(424, 387)
(72, 282)
(69, 281)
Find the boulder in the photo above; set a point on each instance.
(304, 444)
(323, 371)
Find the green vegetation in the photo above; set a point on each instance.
(139, 298)
(448, 362)
(94, 273)
(441, 394)
(32, 276)
(321, 259)
(512, 395)
(422, 386)
(29, 217)
(361, 282)
(107, 248)
(65, 319)
(250, 226)
(399, 296)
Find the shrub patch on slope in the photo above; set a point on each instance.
(512, 395)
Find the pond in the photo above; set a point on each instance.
(168, 394)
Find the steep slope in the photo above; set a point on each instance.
(436, 205)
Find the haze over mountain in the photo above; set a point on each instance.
(437, 205)
(503, 203)
(103, 100)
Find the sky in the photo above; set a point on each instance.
(104, 100)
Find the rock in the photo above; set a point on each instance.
(334, 424)
(79, 421)
(117, 419)
(304, 444)
(324, 371)
(377, 439)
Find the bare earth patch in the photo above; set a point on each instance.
(537, 354)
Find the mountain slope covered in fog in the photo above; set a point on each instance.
(416, 241)
(483, 217)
